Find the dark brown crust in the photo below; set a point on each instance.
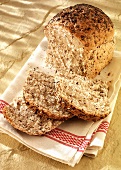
(88, 23)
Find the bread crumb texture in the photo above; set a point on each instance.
(29, 119)
(40, 91)
(87, 99)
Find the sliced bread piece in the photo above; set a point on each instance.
(40, 91)
(87, 99)
(28, 119)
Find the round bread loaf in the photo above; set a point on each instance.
(80, 39)
(28, 119)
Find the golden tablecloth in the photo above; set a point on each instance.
(21, 30)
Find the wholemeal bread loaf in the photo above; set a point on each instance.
(39, 90)
(28, 119)
(87, 99)
(80, 39)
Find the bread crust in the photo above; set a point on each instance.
(86, 22)
(81, 40)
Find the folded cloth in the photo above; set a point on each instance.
(75, 137)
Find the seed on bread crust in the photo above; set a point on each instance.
(88, 23)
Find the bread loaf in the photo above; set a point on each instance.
(85, 98)
(80, 39)
(39, 90)
(28, 119)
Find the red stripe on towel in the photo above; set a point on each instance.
(70, 133)
(77, 142)
(67, 138)
(2, 105)
(103, 127)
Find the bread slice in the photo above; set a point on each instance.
(80, 39)
(40, 91)
(28, 119)
(87, 99)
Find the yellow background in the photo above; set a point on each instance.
(21, 30)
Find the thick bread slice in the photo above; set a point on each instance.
(28, 119)
(80, 39)
(87, 99)
(40, 91)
